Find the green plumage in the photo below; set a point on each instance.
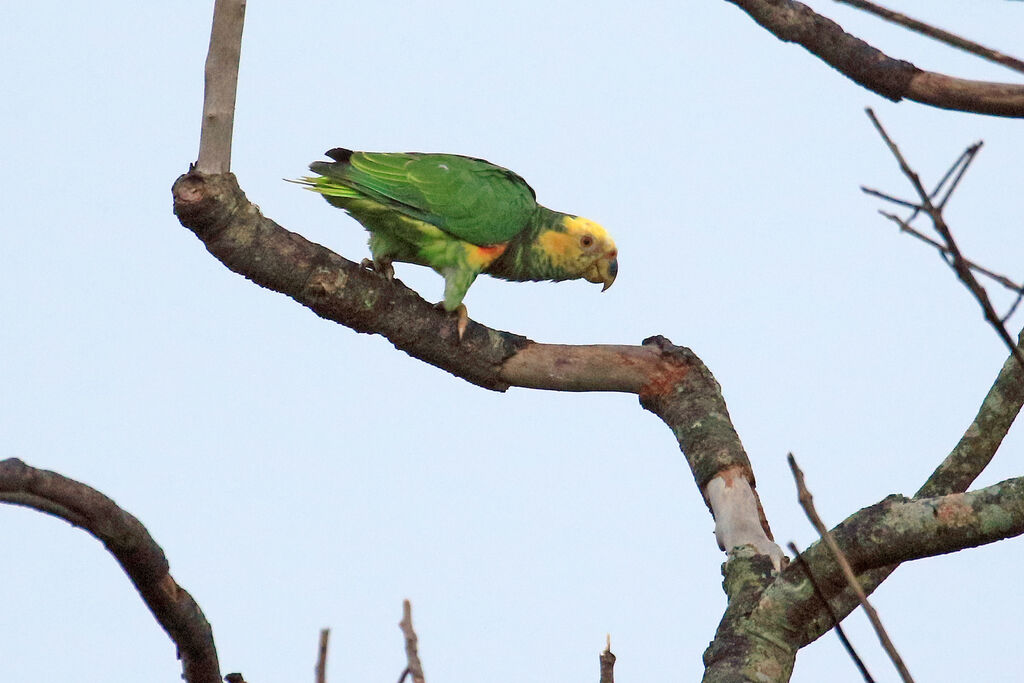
(458, 215)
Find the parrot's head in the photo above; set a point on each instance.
(585, 250)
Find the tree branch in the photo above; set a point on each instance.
(790, 600)
(671, 381)
(946, 37)
(899, 529)
(221, 86)
(413, 666)
(839, 557)
(133, 548)
(891, 78)
(607, 659)
(956, 260)
(320, 670)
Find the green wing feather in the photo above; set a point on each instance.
(471, 199)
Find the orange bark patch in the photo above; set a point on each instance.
(664, 378)
(953, 511)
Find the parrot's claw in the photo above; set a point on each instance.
(382, 267)
(461, 320)
(461, 317)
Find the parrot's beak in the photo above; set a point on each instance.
(604, 270)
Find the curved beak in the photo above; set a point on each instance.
(608, 269)
(604, 270)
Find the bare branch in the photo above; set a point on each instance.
(221, 87)
(959, 263)
(413, 667)
(938, 34)
(321, 656)
(910, 230)
(838, 628)
(891, 78)
(607, 663)
(133, 548)
(807, 502)
(982, 438)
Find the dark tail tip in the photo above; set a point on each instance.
(339, 154)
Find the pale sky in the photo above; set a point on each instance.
(299, 475)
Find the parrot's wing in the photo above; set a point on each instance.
(471, 199)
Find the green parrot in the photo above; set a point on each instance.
(460, 216)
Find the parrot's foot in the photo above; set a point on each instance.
(461, 317)
(383, 267)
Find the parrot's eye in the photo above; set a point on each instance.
(586, 241)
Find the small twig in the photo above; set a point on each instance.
(907, 228)
(959, 263)
(607, 662)
(946, 37)
(847, 645)
(890, 198)
(807, 503)
(321, 656)
(964, 161)
(235, 678)
(413, 667)
(1013, 308)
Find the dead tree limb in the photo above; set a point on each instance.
(894, 79)
(938, 34)
(133, 548)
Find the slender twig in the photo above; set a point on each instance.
(1013, 308)
(321, 656)
(938, 34)
(221, 87)
(890, 198)
(807, 503)
(959, 263)
(963, 162)
(413, 667)
(847, 645)
(907, 228)
(235, 678)
(608, 662)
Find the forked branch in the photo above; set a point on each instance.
(951, 251)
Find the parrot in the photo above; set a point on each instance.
(460, 216)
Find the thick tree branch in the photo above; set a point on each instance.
(899, 529)
(133, 548)
(747, 647)
(981, 440)
(894, 79)
(671, 381)
(789, 604)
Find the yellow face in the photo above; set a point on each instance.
(585, 250)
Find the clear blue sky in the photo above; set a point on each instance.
(300, 475)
